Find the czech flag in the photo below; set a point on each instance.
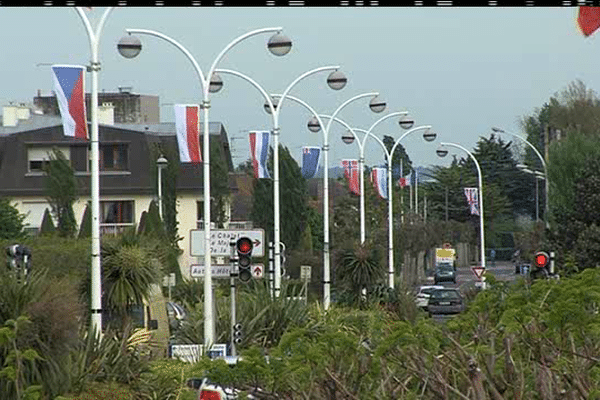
(310, 161)
(378, 177)
(188, 136)
(259, 151)
(588, 20)
(351, 172)
(70, 93)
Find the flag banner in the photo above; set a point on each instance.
(379, 179)
(352, 175)
(310, 161)
(402, 182)
(70, 93)
(472, 199)
(588, 20)
(259, 152)
(187, 129)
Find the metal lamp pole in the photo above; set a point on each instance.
(442, 153)
(279, 45)
(336, 81)
(314, 125)
(535, 150)
(96, 296)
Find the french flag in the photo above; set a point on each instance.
(378, 176)
(259, 151)
(69, 88)
(188, 137)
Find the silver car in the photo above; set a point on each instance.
(445, 301)
(423, 294)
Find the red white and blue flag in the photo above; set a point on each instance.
(187, 124)
(351, 173)
(259, 152)
(378, 177)
(472, 199)
(69, 88)
(310, 161)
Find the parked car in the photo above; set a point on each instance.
(445, 301)
(423, 294)
(444, 273)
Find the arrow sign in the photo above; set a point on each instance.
(478, 271)
(257, 270)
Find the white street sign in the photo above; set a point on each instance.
(186, 352)
(220, 238)
(305, 271)
(224, 271)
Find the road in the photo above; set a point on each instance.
(466, 279)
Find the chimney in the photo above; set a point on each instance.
(9, 115)
(23, 112)
(106, 114)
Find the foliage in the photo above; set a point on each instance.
(358, 268)
(11, 220)
(61, 188)
(219, 182)
(169, 177)
(47, 228)
(293, 198)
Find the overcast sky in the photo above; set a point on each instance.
(461, 70)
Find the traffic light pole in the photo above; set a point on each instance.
(232, 300)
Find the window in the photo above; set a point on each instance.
(116, 212)
(113, 157)
(38, 157)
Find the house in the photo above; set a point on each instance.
(128, 179)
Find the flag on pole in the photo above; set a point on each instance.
(352, 175)
(379, 179)
(472, 199)
(588, 20)
(187, 129)
(259, 151)
(310, 161)
(70, 93)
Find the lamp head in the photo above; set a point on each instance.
(429, 136)
(129, 46)
(313, 125)
(161, 162)
(377, 105)
(216, 83)
(275, 102)
(406, 122)
(442, 151)
(348, 138)
(337, 80)
(279, 44)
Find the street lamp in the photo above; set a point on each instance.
(336, 80)
(96, 275)
(535, 150)
(278, 45)
(161, 163)
(538, 175)
(442, 152)
(428, 136)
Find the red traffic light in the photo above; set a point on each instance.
(244, 245)
(541, 259)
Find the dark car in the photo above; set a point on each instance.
(444, 273)
(445, 301)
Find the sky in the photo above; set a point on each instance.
(461, 70)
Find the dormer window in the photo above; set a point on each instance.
(114, 157)
(38, 157)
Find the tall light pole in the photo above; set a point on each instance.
(428, 136)
(535, 150)
(314, 125)
(129, 47)
(442, 152)
(538, 175)
(96, 274)
(336, 80)
(161, 163)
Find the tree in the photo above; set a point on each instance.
(47, 227)
(219, 182)
(358, 268)
(85, 229)
(11, 220)
(61, 188)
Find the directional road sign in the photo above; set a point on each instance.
(224, 271)
(478, 271)
(220, 238)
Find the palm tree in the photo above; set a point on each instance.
(359, 268)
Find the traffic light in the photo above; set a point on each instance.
(237, 333)
(243, 247)
(540, 261)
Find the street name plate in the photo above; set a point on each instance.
(223, 271)
(220, 238)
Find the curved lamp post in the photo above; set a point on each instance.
(537, 175)
(129, 47)
(336, 81)
(442, 152)
(498, 130)
(96, 275)
(428, 136)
